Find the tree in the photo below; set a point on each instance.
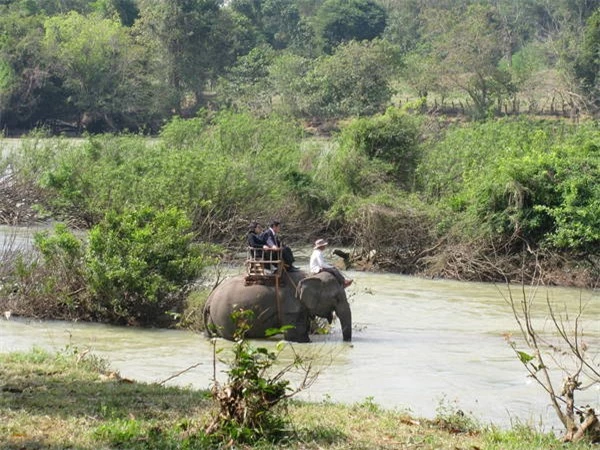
(246, 84)
(392, 138)
(29, 92)
(466, 55)
(587, 66)
(140, 263)
(100, 68)
(192, 42)
(126, 10)
(287, 77)
(404, 25)
(275, 21)
(339, 21)
(345, 84)
(561, 349)
(51, 7)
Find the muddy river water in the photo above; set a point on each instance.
(418, 345)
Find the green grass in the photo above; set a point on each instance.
(72, 400)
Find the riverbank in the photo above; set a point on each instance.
(469, 203)
(73, 400)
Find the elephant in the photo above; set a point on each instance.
(296, 299)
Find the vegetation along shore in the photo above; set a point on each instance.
(472, 152)
(73, 400)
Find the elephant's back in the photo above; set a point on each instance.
(235, 288)
(233, 295)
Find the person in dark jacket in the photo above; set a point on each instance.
(255, 241)
(273, 241)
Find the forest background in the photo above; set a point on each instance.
(442, 138)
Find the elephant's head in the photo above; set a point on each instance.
(322, 295)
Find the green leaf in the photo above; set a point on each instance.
(524, 357)
(280, 345)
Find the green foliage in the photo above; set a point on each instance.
(63, 280)
(247, 401)
(192, 42)
(213, 169)
(392, 138)
(100, 68)
(454, 420)
(6, 80)
(120, 65)
(287, 78)
(246, 84)
(339, 21)
(587, 66)
(333, 86)
(61, 249)
(524, 437)
(22, 89)
(345, 84)
(370, 156)
(465, 54)
(126, 10)
(141, 262)
(536, 180)
(275, 21)
(136, 266)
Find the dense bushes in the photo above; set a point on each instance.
(141, 263)
(136, 266)
(538, 181)
(416, 197)
(218, 170)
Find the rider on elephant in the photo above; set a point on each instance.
(272, 241)
(318, 263)
(255, 242)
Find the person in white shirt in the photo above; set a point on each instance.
(318, 263)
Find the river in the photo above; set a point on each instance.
(419, 345)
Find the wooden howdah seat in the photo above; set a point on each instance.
(264, 266)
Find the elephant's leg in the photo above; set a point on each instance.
(294, 336)
(299, 332)
(208, 332)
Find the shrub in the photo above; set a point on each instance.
(141, 262)
(248, 401)
(536, 181)
(391, 137)
(47, 282)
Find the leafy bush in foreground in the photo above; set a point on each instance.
(250, 402)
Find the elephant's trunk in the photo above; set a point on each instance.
(342, 311)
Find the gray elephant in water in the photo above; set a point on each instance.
(294, 302)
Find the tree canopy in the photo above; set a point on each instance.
(106, 65)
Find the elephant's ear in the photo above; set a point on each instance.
(305, 282)
(307, 289)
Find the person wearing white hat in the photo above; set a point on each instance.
(318, 263)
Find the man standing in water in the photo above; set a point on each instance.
(318, 263)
